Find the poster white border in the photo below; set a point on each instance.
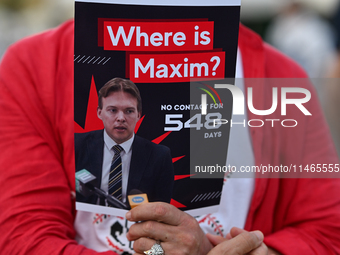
(168, 3)
(80, 206)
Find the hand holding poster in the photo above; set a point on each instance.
(173, 53)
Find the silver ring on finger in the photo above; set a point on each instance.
(156, 249)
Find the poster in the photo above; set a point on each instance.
(174, 53)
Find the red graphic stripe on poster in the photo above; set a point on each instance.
(158, 36)
(154, 68)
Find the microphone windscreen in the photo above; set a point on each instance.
(135, 192)
(84, 180)
(137, 197)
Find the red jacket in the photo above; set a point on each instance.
(298, 216)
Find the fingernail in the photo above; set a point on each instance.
(128, 215)
(259, 235)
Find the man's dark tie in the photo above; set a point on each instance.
(115, 177)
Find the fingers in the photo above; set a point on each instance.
(150, 229)
(214, 239)
(179, 232)
(162, 212)
(162, 222)
(176, 235)
(247, 241)
(143, 244)
(228, 236)
(241, 244)
(185, 238)
(235, 231)
(261, 250)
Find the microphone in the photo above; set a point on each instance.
(137, 197)
(85, 186)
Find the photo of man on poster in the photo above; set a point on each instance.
(120, 160)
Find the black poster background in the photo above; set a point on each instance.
(226, 24)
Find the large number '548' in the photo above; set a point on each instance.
(193, 122)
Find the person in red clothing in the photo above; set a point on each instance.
(296, 216)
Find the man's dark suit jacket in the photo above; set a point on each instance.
(151, 167)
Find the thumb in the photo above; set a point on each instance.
(241, 244)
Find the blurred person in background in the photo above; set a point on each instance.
(20, 18)
(336, 24)
(332, 93)
(303, 35)
(300, 32)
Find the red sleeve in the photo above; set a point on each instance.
(307, 221)
(307, 209)
(36, 144)
(297, 215)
